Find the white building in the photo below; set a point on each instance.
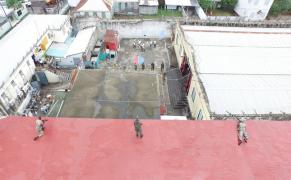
(253, 9)
(178, 4)
(148, 6)
(79, 48)
(16, 50)
(236, 70)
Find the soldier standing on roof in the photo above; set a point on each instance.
(138, 128)
(242, 133)
(39, 127)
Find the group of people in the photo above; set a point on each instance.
(152, 66)
(241, 128)
(39, 127)
(141, 45)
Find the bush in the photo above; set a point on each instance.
(228, 4)
(280, 6)
(13, 3)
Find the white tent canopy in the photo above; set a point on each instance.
(81, 42)
(243, 69)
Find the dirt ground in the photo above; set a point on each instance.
(113, 94)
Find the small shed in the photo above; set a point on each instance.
(148, 6)
(111, 40)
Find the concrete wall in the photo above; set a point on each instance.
(253, 9)
(91, 14)
(60, 35)
(199, 104)
(148, 9)
(171, 7)
(201, 14)
(139, 29)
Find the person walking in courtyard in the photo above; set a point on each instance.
(138, 128)
(164, 77)
(162, 66)
(152, 66)
(142, 66)
(242, 133)
(39, 127)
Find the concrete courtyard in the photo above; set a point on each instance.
(113, 94)
(126, 53)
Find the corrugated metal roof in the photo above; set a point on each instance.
(243, 69)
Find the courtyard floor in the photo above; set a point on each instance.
(113, 94)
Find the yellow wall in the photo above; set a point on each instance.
(200, 99)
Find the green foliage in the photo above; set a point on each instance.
(206, 5)
(280, 6)
(228, 4)
(13, 3)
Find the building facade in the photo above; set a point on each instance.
(253, 9)
(235, 71)
(34, 35)
(126, 7)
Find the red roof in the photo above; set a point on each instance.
(170, 150)
(111, 36)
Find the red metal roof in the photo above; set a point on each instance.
(170, 150)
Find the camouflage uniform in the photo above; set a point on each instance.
(138, 128)
(242, 133)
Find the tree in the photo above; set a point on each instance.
(228, 4)
(13, 3)
(206, 5)
(280, 6)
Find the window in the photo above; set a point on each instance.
(13, 83)
(103, 15)
(5, 97)
(200, 115)
(22, 76)
(21, 73)
(193, 95)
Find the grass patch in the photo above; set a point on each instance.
(221, 12)
(161, 13)
(164, 13)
